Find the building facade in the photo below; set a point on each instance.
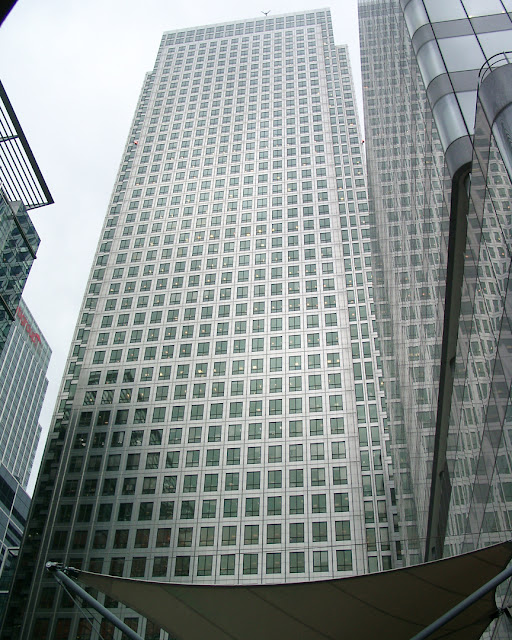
(222, 417)
(19, 243)
(23, 366)
(14, 507)
(436, 79)
(410, 213)
(23, 383)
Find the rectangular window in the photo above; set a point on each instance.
(344, 560)
(297, 562)
(320, 561)
(227, 565)
(273, 563)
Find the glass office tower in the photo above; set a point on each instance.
(222, 417)
(437, 78)
(410, 211)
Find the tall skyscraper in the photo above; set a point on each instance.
(222, 417)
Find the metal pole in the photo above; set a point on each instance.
(56, 570)
(462, 606)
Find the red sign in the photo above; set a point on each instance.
(35, 337)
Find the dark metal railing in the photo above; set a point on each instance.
(20, 176)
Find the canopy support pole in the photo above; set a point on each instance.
(57, 571)
(462, 606)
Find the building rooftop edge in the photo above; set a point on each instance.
(222, 24)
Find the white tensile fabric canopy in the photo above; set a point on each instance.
(393, 605)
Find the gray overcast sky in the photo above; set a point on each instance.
(73, 71)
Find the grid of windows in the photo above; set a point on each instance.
(214, 350)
